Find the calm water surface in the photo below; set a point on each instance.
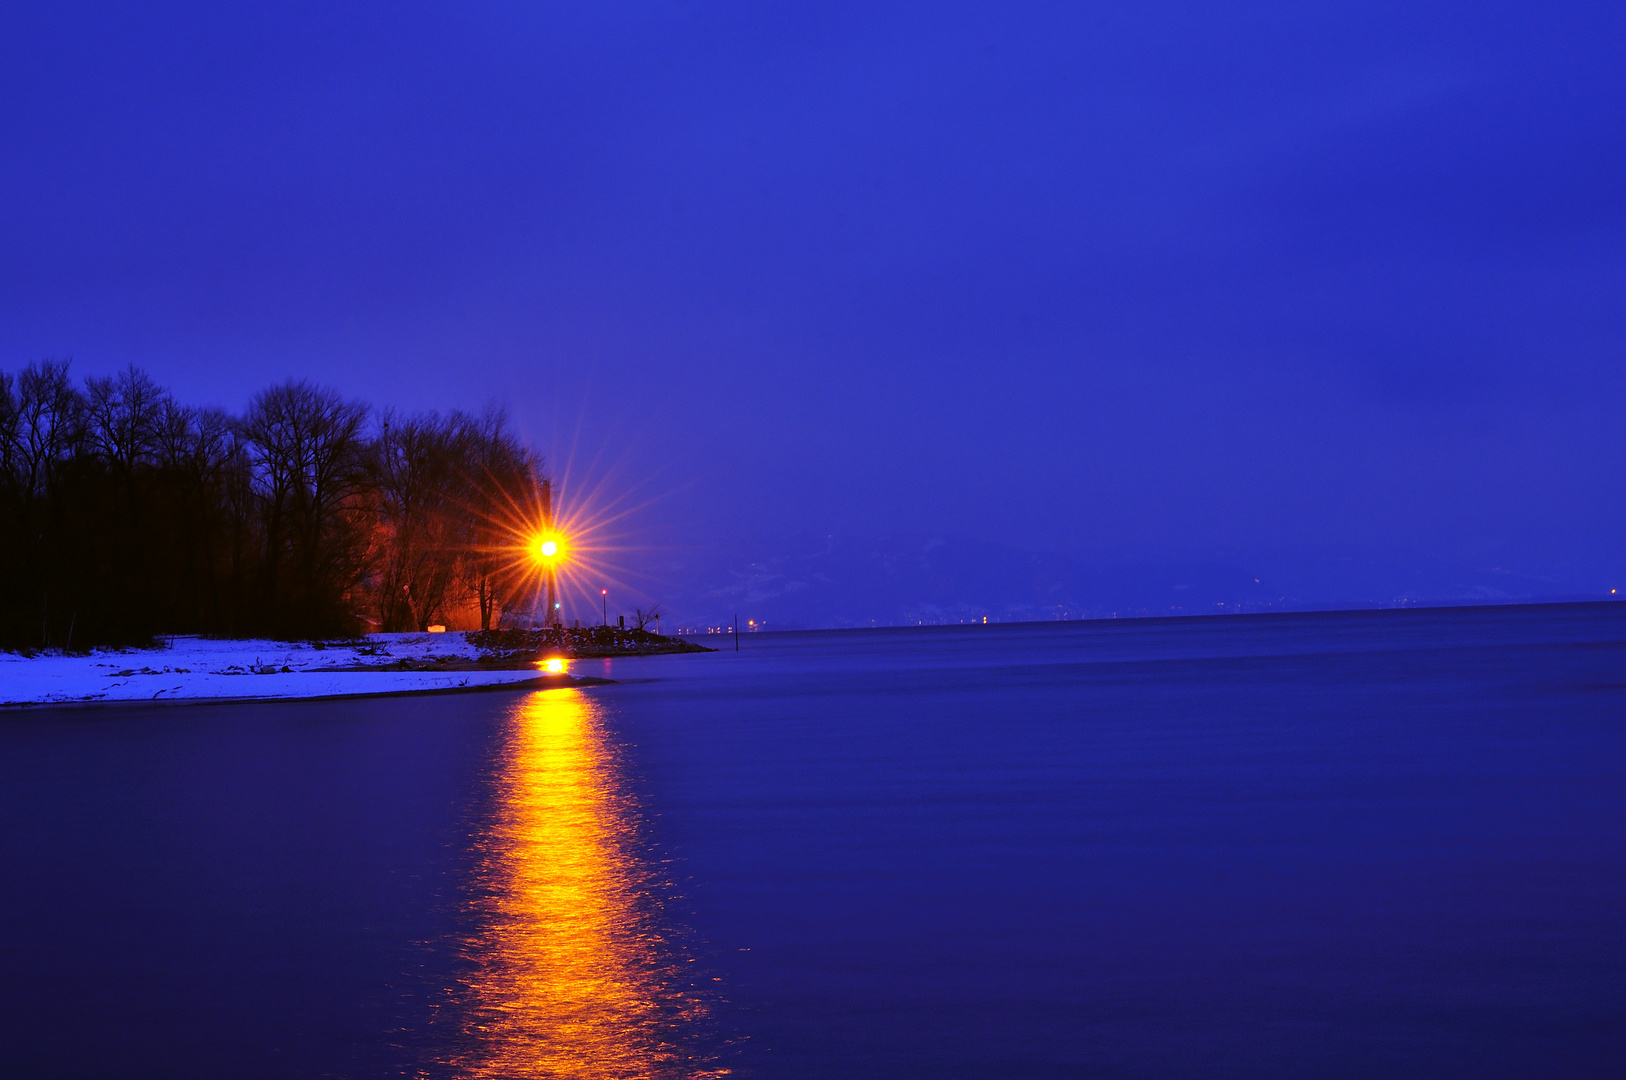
(1340, 845)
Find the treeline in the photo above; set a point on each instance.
(125, 515)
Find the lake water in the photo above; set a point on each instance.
(1383, 843)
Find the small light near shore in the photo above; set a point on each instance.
(553, 665)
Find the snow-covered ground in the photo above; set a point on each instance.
(198, 668)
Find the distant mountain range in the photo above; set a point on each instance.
(835, 583)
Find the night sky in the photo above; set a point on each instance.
(1129, 283)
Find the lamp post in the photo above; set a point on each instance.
(604, 596)
(547, 551)
(550, 551)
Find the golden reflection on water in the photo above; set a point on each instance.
(573, 978)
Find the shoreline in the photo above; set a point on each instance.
(192, 670)
(537, 682)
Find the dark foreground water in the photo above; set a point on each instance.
(1377, 844)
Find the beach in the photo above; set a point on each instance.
(199, 669)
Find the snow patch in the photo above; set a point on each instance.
(252, 669)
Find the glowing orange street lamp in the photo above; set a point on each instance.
(548, 550)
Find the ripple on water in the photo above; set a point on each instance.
(573, 970)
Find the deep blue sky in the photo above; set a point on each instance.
(1132, 280)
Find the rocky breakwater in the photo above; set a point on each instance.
(526, 646)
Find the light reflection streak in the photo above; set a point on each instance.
(573, 977)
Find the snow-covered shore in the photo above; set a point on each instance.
(193, 669)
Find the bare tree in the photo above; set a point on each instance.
(502, 475)
(642, 617)
(416, 470)
(124, 413)
(308, 447)
(45, 425)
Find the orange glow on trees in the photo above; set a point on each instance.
(309, 515)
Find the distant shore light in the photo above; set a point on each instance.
(553, 665)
